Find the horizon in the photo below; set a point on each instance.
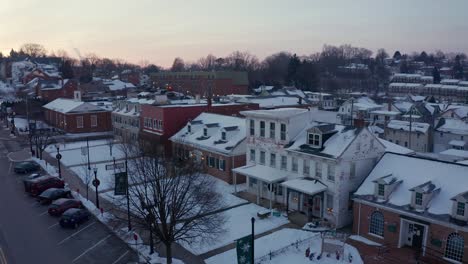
(158, 32)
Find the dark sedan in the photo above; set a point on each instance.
(51, 194)
(63, 204)
(26, 166)
(74, 217)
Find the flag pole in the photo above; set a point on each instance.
(253, 240)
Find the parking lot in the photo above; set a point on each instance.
(28, 234)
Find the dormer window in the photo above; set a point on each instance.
(314, 139)
(460, 209)
(223, 135)
(418, 200)
(381, 190)
(205, 132)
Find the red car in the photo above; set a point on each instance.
(38, 185)
(61, 205)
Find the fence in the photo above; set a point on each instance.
(277, 252)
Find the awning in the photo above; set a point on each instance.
(307, 186)
(458, 143)
(262, 173)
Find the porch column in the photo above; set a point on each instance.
(235, 182)
(258, 192)
(287, 200)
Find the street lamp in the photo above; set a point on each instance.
(96, 184)
(59, 157)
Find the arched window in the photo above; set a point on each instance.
(454, 247)
(377, 224)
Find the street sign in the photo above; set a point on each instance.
(96, 182)
(118, 166)
(120, 183)
(58, 156)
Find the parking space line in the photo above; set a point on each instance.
(43, 213)
(91, 248)
(52, 226)
(2, 256)
(121, 257)
(74, 234)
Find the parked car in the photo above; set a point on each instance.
(74, 217)
(63, 204)
(51, 194)
(38, 185)
(26, 166)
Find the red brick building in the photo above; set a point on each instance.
(74, 116)
(220, 82)
(415, 203)
(216, 140)
(40, 74)
(49, 90)
(160, 122)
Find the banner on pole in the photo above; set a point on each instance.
(244, 250)
(120, 183)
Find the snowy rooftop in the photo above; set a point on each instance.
(264, 173)
(234, 128)
(281, 113)
(392, 147)
(307, 186)
(460, 110)
(412, 171)
(383, 112)
(456, 152)
(72, 106)
(455, 126)
(405, 125)
(272, 101)
(116, 85)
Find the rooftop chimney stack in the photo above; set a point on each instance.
(77, 96)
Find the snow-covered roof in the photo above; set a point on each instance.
(392, 147)
(63, 105)
(384, 112)
(405, 125)
(263, 88)
(116, 85)
(307, 186)
(272, 101)
(281, 113)
(363, 103)
(263, 173)
(141, 101)
(412, 171)
(234, 128)
(456, 152)
(455, 126)
(459, 110)
(341, 137)
(403, 106)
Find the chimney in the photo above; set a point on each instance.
(300, 100)
(197, 98)
(77, 96)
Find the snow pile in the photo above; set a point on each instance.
(51, 170)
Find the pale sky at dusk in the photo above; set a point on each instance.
(158, 31)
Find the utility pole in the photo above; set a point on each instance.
(128, 199)
(410, 126)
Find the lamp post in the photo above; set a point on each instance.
(59, 157)
(96, 184)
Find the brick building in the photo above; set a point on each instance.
(418, 203)
(75, 116)
(216, 140)
(220, 82)
(49, 90)
(160, 122)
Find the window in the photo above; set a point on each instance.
(314, 139)
(381, 190)
(205, 132)
(460, 209)
(329, 201)
(418, 199)
(223, 135)
(252, 155)
(252, 127)
(352, 170)
(306, 168)
(284, 162)
(262, 157)
(155, 123)
(318, 169)
(454, 247)
(272, 160)
(222, 165)
(294, 164)
(406, 144)
(211, 162)
(262, 128)
(94, 121)
(331, 172)
(272, 130)
(79, 121)
(376, 226)
(283, 132)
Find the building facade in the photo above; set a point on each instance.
(413, 135)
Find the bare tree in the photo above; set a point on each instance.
(175, 201)
(33, 49)
(42, 138)
(178, 65)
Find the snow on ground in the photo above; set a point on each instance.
(72, 157)
(76, 145)
(238, 225)
(280, 240)
(106, 177)
(364, 240)
(50, 169)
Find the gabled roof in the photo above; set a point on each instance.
(405, 125)
(63, 105)
(450, 178)
(426, 187)
(451, 125)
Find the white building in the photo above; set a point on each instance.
(357, 108)
(305, 165)
(451, 133)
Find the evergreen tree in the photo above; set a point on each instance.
(397, 55)
(436, 75)
(404, 67)
(458, 68)
(67, 69)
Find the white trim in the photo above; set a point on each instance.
(426, 228)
